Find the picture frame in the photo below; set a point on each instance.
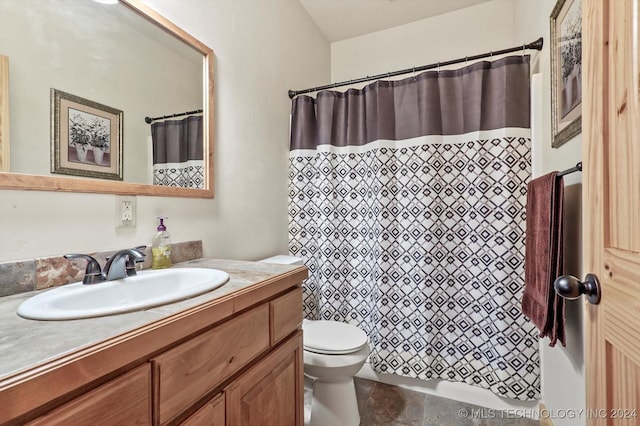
(566, 71)
(86, 137)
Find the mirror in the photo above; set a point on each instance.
(168, 73)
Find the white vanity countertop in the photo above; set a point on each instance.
(27, 343)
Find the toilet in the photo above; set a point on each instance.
(333, 353)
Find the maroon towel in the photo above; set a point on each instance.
(544, 256)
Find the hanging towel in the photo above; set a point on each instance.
(544, 256)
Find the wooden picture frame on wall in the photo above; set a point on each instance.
(86, 137)
(566, 71)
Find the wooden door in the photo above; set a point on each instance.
(611, 189)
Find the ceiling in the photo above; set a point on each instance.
(342, 19)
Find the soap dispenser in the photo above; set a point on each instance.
(161, 247)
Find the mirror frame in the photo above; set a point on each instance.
(22, 181)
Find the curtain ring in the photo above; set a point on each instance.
(524, 47)
(438, 67)
(466, 60)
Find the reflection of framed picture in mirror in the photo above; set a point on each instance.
(86, 137)
(566, 71)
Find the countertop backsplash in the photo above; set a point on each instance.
(37, 274)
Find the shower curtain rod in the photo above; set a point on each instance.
(537, 45)
(150, 120)
(577, 168)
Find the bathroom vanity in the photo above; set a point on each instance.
(232, 356)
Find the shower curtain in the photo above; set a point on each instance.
(178, 152)
(406, 202)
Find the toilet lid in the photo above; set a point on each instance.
(332, 337)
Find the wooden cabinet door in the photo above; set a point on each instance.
(611, 188)
(271, 392)
(123, 400)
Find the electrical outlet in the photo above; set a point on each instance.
(125, 212)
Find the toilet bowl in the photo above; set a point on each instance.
(333, 353)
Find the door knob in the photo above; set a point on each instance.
(570, 287)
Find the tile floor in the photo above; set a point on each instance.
(385, 405)
(382, 404)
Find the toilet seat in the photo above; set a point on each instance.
(332, 337)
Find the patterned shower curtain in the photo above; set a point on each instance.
(178, 152)
(407, 203)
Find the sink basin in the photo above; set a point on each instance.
(145, 290)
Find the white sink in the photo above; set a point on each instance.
(145, 290)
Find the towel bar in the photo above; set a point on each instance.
(577, 168)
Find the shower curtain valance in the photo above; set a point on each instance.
(450, 102)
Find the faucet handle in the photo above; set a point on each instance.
(93, 272)
(140, 249)
(130, 266)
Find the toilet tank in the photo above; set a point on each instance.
(283, 259)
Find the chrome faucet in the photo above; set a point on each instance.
(122, 264)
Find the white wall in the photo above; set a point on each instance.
(563, 379)
(490, 26)
(457, 34)
(262, 48)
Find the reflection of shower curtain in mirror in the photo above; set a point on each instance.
(178, 153)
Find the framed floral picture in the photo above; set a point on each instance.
(86, 137)
(566, 71)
